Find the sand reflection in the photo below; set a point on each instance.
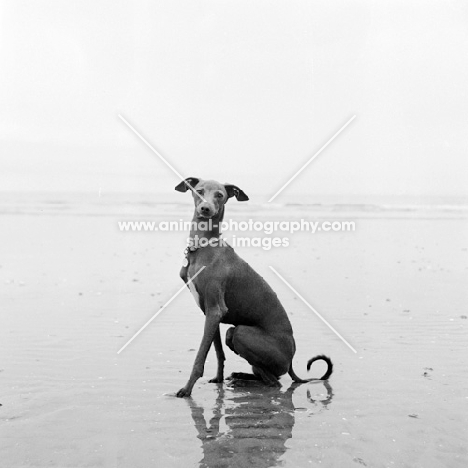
(249, 424)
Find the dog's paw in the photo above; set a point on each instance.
(216, 380)
(242, 376)
(183, 393)
(234, 376)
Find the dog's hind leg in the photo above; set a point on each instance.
(263, 351)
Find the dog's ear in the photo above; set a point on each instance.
(185, 184)
(234, 191)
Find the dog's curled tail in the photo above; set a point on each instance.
(325, 376)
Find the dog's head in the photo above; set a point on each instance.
(210, 196)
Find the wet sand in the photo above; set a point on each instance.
(74, 290)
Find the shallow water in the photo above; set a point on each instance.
(75, 289)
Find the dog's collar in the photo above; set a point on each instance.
(187, 251)
(190, 249)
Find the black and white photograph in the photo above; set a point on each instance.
(233, 234)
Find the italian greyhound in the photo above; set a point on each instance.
(229, 291)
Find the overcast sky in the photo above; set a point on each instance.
(239, 91)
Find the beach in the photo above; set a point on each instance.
(75, 289)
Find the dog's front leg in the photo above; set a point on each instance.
(211, 328)
(221, 358)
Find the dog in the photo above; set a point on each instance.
(229, 291)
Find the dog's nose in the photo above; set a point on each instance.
(206, 210)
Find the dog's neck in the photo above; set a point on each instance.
(197, 231)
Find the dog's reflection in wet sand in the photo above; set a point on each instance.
(258, 422)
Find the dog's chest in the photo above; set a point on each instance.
(193, 290)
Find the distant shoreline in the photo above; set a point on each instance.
(152, 204)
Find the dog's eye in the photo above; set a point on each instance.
(200, 191)
(219, 195)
